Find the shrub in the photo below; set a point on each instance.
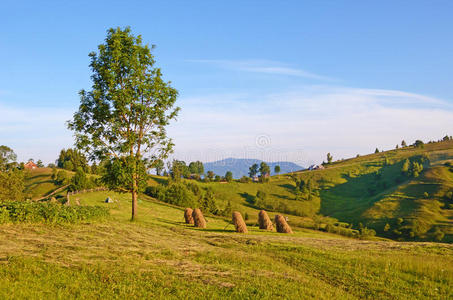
(43, 212)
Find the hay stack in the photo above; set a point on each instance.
(264, 221)
(198, 218)
(188, 215)
(239, 222)
(281, 225)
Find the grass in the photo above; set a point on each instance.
(158, 256)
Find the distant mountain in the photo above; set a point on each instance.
(240, 166)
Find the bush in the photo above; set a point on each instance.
(43, 212)
(177, 194)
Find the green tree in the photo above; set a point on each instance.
(386, 227)
(277, 169)
(210, 175)
(159, 166)
(39, 164)
(229, 176)
(329, 158)
(253, 170)
(12, 185)
(405, 167)
(419, 144)
(71, 159)
(196, 167)
(7, 158)
(264, 169)
(123, 118)
(208, 203)
(80, 180)
(376, 151)
(403, 144)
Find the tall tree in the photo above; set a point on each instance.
(277, 169)
(229, 176)
(264, 169)
(7, 157)
(123, 118)
(253, 170)
(329, 158)
(159, 166)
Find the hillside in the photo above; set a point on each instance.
(240, 166)
(368, 190)
(159, 257)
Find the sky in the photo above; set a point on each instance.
(273, 80)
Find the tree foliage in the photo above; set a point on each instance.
(72, 159)
(7, 158)
(124, 116)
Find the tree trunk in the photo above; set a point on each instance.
(134, 201)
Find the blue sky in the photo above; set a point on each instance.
(276, 80)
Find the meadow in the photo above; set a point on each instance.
(158, 256)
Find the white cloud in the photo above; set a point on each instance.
(304, 125)
(261, 66)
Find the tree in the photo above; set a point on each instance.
(12, 185)
(419, 144)
(277, 169)
(405, 167)
(329, 158)
(397, 146)
(123, 118)
(80, 180)
(159, 166)
(253, 170)
(229, 176)
(210, 175)
(264, 169)
(71, 159)
(39, 164)
(386, 227)
(376, 151)
(7, 158)
(446, 138)
(403, 144)
(196, 167)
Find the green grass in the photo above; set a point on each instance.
(158, 256)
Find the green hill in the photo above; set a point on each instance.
(366, 191)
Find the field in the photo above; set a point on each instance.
(158, 256)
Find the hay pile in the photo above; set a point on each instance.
(188, 215)
(264, 221)
(198, 218)
(239, 222)
(281, 225)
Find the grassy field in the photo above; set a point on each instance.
(158, 256)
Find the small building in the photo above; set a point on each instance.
(30, 165)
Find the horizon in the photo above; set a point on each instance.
(277, 84)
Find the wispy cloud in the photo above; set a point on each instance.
(261, 66)
(303, 125)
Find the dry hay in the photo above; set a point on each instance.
(239, 222)
(264, 221)
(198, 218)
(188, 215)
(281, 224)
